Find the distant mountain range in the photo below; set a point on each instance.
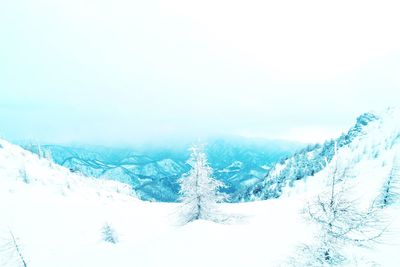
(152, 171)
(253, 169)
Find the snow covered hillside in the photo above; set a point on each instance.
(22, 170)
(62, 219)
(373, 136)
(58, 219)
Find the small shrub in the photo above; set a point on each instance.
(109, 234)
(24, 175)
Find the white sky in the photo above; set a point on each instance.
(124, 71)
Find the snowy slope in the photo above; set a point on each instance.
(371, 156)
(57, 216)
(22, 169)
(379, 130)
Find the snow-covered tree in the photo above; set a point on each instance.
(24, 175)
(340, 221)
(11, 252)
(391, 188)
(109, 234)
(47, 154)
(39, 150)
(199, 190)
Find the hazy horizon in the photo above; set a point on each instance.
(120, 72)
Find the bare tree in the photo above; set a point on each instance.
(11, 251)
(340, 222)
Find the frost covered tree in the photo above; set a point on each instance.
(24, 175)
(11, 252)
(340, 221)
(199, 190)
(39, 150)
(47, 154)
(109, 234)
(391, 188)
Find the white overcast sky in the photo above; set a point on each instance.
(121, 71)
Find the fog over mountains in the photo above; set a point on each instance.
(252, 169)
(152, 170)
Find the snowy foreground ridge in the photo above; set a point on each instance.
(61, 219)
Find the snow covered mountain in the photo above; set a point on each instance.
(376, 133)
(153, 172)
(59, 218)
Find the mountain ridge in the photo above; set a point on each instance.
(313, 159)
